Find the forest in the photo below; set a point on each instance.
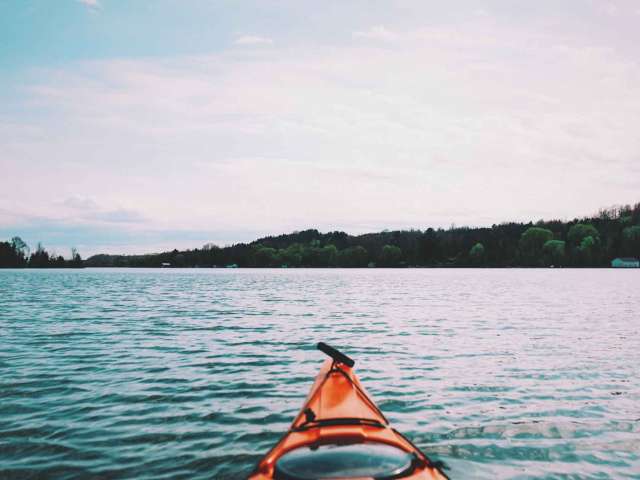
(586, 242)
(17, 254)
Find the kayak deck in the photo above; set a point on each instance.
(341, 434)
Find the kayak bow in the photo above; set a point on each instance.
(341, 434)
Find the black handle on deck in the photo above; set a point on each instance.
(336, 355)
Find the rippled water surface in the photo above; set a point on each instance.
(153, 374)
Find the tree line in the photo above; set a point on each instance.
(588, 242)
(17, 254)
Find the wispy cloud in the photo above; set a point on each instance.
(378, 32)
(121, 215)
(90, 3)
(80, 202)
(253, 40)
(86, 208)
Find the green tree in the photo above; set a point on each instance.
(76, 259)
(531, 244)
(390, 256)
(579, 231)
(584, 244)
(554, 252)
(179, 260)
(292, 255)
(477, 254)
(20, 246)
(328, 255)
(587, 250)
(631, 241)
(13, 254)
(39, 258)
(9, 258)
(353, 257)
(265, 257)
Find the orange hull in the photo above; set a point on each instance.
(339, 411)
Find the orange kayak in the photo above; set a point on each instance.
(341, 434)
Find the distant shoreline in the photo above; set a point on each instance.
(610, 238)
(595, 241)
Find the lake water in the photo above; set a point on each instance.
(195, 374)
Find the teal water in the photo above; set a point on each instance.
(153, 374)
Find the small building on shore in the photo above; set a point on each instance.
(625, 262)
(165, 265)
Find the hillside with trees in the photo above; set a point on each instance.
(586, 242)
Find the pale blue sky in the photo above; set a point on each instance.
(135, 126)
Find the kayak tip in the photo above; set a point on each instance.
(336, 354)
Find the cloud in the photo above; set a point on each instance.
(80, 202)
(90, 3)
(87, 209)
(378, 32)
(120, 215)
(610, 9)
(252, 40)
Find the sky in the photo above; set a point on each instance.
(142, 126)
